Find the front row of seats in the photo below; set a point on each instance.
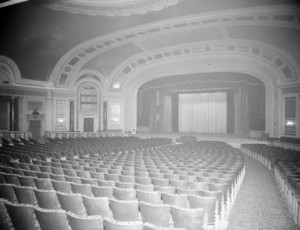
(30, 217)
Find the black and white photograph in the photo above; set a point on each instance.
(149, 114)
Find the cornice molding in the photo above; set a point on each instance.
(203, 64)
(112, 7)
(262, 52)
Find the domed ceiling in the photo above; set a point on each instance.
(37, 34)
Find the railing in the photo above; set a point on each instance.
(59, 134)
(285, 145)
(15, 134)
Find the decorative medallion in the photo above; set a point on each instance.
(112, 7)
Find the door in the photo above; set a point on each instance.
(88, 125)
(35, 128)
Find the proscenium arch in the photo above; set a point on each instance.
(258, 50)
(267, 73)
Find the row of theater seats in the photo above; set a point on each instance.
(72, 147)
(36, 218)
(188, 179)
(286, 166)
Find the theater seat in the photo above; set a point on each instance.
(153, 197)
(7, 192)
(25, 195)
(85, 222)
(209, 204)
(144, 187)
(22, 216)
(180, 200)
(43, 184)
(155, 214)
(124, 194)
(27, 181)
(148, 226)
(83, 189)
(102, 191)
(170, 189)
(190, 219)
(5, 221)
(47, 199)
(51, 219)
(111, 224)
(72, 203)
(97, 206)
(123, 210)
(62, 186)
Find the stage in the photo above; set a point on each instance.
(233, 140)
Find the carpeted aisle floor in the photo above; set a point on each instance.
(259, 205)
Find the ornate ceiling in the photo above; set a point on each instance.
(56, 40)
(112, 7)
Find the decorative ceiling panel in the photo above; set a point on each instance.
(105, 62)
(112, 7)
(181, 37)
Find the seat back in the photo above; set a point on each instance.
(148, 226)
(47, 199)
(51, 219)
(25, 195)
(124, 194)
(144, 187)
(209, 204)
(190, 219)
(111, 224)
(27, 181)
(5, 221)
(72, 203)
(85, 222)
(155, 214)
(180, 200)
(43, 183)
(97, 206)
(102, 191)
(62, 186)
(22, 216)
(123, 210)
(83, 189)
(7, 192)
(153, 197)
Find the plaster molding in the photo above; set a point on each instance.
(112, 7)
(260, 51)
(72, 61)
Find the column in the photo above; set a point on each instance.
(12, 114)
(236, 111)
(105, 116)
(49, 111)
(21, 114)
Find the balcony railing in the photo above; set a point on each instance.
(15, 134)
(59, 134)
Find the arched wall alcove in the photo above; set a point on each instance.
(84, 79)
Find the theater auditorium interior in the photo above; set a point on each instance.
(149, 114)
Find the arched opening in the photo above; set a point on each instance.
(88, 107)
(218, 102)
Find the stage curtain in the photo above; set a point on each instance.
(167, 113)
(203, 112)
